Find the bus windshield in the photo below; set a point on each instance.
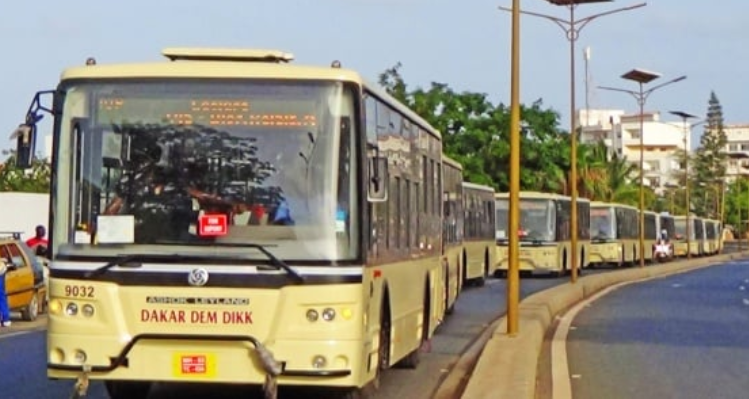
(602, 223)
(156, 166)
(537, 219)
(681, 229)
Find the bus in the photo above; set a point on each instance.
(545, 246)
(684, 246)
(712, 236)
(717, 236)
(667, 230)
(652, 228)
(478, 233)
(452, 229)
(227, 216)
(613, 232)
(700, 232)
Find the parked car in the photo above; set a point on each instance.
(25, 282)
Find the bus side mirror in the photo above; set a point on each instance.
(378, 180)
(25, 136)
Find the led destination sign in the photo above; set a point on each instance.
(207, 112)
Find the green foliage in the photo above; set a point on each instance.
(710, 161)
(34, 180)
(476, 134)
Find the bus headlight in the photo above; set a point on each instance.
(328, 314)
(71, 309)
(87, 310)
(79, 356)
(319, 362)
(312, 315)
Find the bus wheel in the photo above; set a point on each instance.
(128, 389)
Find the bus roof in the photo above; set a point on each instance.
(455, 164)
(480, 187)
(538, 195)
(222, 63)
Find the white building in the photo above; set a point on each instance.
(738, 145)
(662, 142)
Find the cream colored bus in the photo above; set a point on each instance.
(478, 233)
(682, 246)
(453, 249)
(714, 236)
(652, 225)
(226, 216)
(544, 234)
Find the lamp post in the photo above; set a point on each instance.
(572, 28)
(671, 187)
(643, 77)
(684, 117)
(513, 268)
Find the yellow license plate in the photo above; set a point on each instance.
(194, 365)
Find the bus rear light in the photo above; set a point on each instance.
(87, 310)
(71, 309)
(328, 314)
(312, 315)
(319, 362)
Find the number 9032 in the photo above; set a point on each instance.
(79, 291)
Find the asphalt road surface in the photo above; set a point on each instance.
(683, 336)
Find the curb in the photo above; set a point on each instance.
(507, 366)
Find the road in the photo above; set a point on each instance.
(683, 336)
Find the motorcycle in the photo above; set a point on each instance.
(663, 251)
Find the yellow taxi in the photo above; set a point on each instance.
(25, 284)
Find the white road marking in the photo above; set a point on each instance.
(677, 285)
(741, 288)
(560, 374)
(15, 334)
(746, 301)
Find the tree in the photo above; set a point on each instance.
(710, 161)
(34, 180)
(476, 133)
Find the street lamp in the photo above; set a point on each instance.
(572, 28)
(642, 77)
(684, 117)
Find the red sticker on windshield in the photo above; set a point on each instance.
(213, 225)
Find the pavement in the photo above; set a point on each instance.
(507, 366)
(19, 326)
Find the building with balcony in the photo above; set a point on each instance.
(737, 136)
(663, 142)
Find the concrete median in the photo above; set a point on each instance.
(507, 366)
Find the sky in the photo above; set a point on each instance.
(465, 44)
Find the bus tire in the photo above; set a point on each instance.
(128, 389)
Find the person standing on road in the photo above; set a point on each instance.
(4, 309)
(38, 243)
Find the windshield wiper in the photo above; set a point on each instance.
(128, 261)
(274, 260)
